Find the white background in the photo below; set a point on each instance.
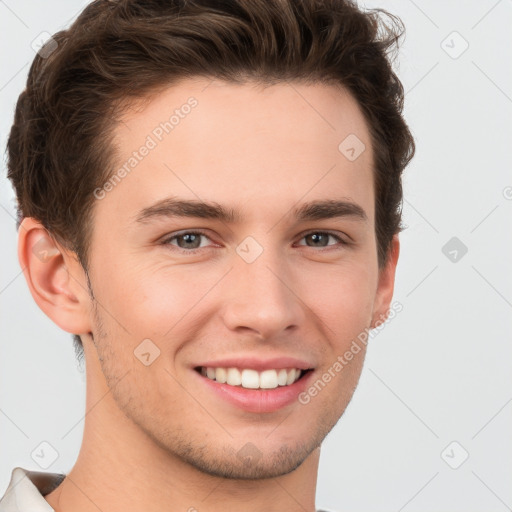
(439, 372)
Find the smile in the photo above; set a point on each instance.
(252, 379)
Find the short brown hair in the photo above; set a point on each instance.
(59, 147)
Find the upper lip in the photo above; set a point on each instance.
(254, 363)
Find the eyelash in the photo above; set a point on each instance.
(167, 241)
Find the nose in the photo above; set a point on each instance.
(261, 297)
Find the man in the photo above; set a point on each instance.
(209, 196)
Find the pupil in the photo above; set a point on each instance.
(188, 238)
(317, 236)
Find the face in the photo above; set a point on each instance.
(278, 271)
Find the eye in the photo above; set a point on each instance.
(321, 238)
(188, 241)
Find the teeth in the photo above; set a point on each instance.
(282, 377)
(220, 375)
(268, 379)
(252, 379)
(234, 377)
(291, 376)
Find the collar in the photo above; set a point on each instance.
(27, 489)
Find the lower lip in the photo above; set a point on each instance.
(257, 400)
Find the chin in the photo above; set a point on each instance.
(257, 466)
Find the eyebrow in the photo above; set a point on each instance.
(314, 210)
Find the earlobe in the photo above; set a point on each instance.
(55, 278)
(386, 285)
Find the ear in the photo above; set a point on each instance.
(55, 278)
(386, 285)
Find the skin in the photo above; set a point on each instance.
(155, 438)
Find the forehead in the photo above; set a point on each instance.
(216, 107)
(237, 143)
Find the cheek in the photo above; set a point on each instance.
(342, 298)
(149, 301)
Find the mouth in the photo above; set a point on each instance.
(249, 378)
(254, 384)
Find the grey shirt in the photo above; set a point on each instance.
(26, 490)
